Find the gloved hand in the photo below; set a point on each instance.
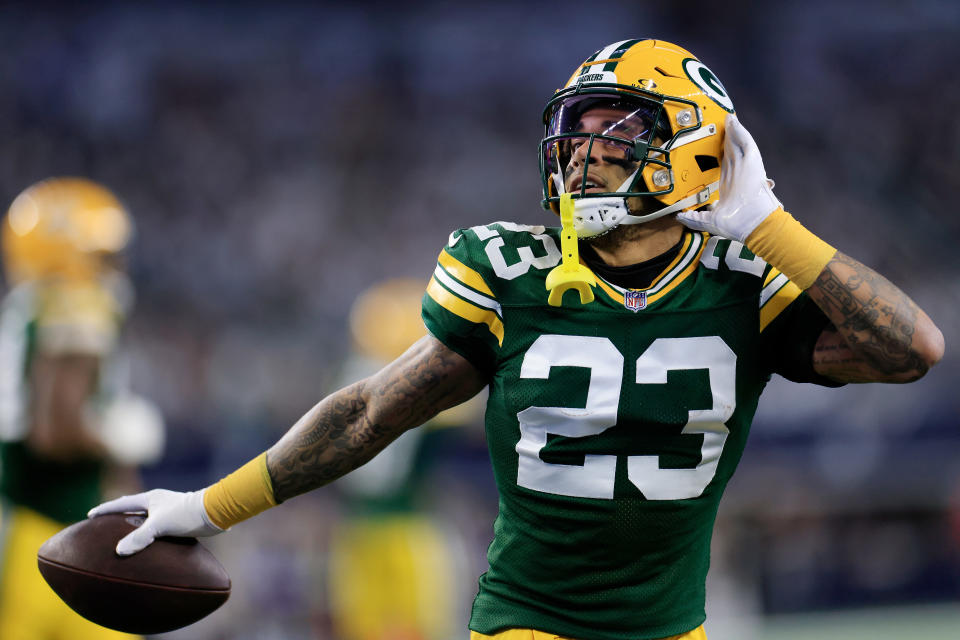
(746, 196)
(169, 513)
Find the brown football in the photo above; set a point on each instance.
(172, 583)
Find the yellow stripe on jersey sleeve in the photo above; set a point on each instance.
(779, 301)
(465, 310)
(463, 273)
(773, 273)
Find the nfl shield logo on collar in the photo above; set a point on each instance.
(635, 300)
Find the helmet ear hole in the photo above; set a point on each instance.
(706, 163)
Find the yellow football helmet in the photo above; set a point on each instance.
(385, 319)
(668, 134)
(63, 227)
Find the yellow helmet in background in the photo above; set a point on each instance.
(63, 227)
(385, 319)
(670, 135)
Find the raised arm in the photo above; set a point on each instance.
(349, 427)
(877, 334)
(339, 434)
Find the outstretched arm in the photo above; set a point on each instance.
(339, 434)
(348, 428)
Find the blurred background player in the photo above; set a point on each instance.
(70, 432)
(394, 567)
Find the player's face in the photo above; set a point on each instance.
(611, 163)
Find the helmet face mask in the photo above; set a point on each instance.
(647, 107)
(633, 134)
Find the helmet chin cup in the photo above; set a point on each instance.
(593, 216)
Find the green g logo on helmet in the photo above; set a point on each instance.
(708, 81)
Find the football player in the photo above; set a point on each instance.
(67, 425)
(619, 410)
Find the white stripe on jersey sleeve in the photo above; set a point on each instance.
(464, 292)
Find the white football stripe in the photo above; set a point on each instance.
(604, 54)
(775, 285)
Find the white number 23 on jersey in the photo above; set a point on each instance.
(595, 478)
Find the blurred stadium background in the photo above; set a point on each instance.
(281, 159)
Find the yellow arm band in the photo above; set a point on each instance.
(791, 248)
(241, 495)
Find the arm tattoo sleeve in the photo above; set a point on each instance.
(876, 320)
(351, 426)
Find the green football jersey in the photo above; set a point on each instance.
(613, 426)
(54, 318)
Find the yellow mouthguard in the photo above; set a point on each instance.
(569, 274)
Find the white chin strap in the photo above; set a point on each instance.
(593, 216)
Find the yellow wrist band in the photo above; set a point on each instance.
(241, 495)
(790, 247)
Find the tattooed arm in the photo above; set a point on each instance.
(351, 426)
(339, 434)
(878, 334)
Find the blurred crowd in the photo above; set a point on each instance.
(279, 160)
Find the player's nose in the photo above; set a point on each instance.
(598, 150)
(580, 149)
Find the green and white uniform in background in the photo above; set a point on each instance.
(613, 427)
(82, 318)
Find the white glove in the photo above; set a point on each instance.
(169, 513)
(746, 196)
